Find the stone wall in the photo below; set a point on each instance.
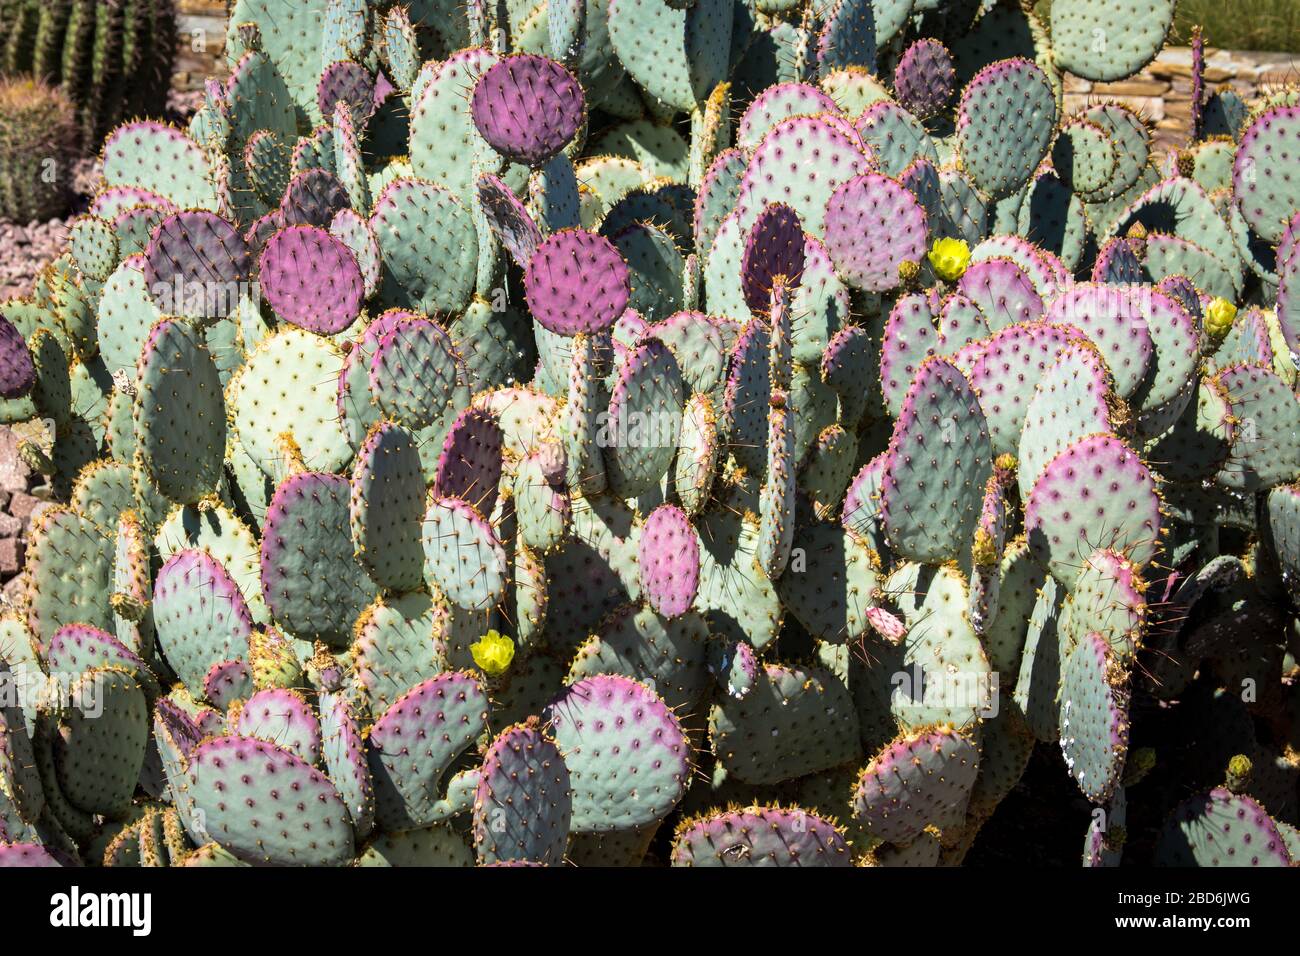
(1163, 91)
(202, 42)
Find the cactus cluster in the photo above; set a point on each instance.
(706, 432)
(112, 58)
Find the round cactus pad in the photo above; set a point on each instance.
(265, 804)
(1221, 828)
(528, 107)
(645, 416)
(760, 836)
(311, 279)
(1095, 494)
(1005, 123)
(195, 264)
(284, 718)
(415, 372)
(1103, 40)
(577, 281)
(628, 757)
(289, 384)
(873, 226)
(918, 780)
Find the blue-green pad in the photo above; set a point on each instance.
(629, 759)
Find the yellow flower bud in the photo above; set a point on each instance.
(1219, 318)
(949, 258)
(493, 653)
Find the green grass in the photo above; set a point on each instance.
(1234, 24)
(1241, 24)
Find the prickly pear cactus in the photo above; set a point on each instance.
(476, 448)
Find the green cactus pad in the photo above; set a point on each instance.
(627, 755)
(1180, 209)
(69, 567)
(180, 418)
(523, 803)
(126, 313)
(1266, 439)
(162, 160)
(1074, 398)
(462, 555)
(313, 585)
(645, 414)
(1040, 663)
(408, 761)
(919, 780)
(793, 722)
(199, 615)
(759, 836)
(395, 646)
(387, 504)
(676, 55)
(1096, 493)
(415, 373)
(1094, 718)
(99, 749)
(949, 676)
(429, 246)
(289, 384)
(666, 655)
(939, 461)
(1004, 125)
(264, 804)
(1220, 828)
(1105, 40)
(829, 583)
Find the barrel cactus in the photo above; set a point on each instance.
(38, 147)
(623, 433)
(113, 58)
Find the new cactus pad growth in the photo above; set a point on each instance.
(631, 432)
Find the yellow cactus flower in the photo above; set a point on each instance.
(493, 652)
(1219, 318)
(949, 258)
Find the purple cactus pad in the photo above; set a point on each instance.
(669, 555)
(577, 282)
(17, 373)
(509, 220)
(924, 79)
(774, 249)
(873, 226)
(528, 108)
(193, 262)
(350, 83)
(312, 279)
(469, 467)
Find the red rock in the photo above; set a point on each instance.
(26, 507)
(11, 556)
